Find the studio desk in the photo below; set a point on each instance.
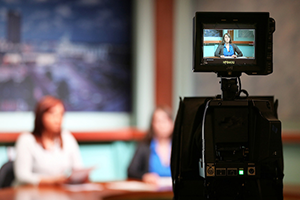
(104, 191)
(89, 191)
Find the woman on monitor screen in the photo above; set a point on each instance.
(227, 49)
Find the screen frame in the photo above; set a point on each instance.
(262, 64)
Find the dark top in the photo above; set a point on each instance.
(145, 157)
(220, 50)
(140, 162)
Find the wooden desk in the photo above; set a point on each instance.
(291, 192)
(61, 193)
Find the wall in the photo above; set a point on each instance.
(144, 79)
(111, 160)
(183, 82)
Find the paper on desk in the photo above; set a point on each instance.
(83, 187)
(79, 176)
(243, 57)
(131, 186)
(164, 183)
(229, 57)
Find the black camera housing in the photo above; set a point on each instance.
(224, 150)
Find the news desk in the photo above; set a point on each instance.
(104, 191)
(92, 191)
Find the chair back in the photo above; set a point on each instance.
(6, 174)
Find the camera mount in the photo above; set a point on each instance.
(230, 89)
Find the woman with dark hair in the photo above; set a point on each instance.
(152, 157)
(45, 155)
(227, 49)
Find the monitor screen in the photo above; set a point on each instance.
(221, 44)
(232, 43)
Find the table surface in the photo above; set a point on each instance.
(90, 191)
(105, 191)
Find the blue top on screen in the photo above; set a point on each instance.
(230, 52)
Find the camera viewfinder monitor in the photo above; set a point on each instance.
(230, 43)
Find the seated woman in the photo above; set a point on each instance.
(152, 157)
(227, 49)
(46, 154)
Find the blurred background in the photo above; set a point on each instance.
(112, 62)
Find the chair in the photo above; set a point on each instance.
(6, 174)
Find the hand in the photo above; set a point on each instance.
(53, 180)
(151, 178)
(222, 56)
(234, 56)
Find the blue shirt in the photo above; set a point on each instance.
(230, 52)
(155, 164)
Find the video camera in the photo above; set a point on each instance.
(229, 146)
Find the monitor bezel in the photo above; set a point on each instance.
(260, 21)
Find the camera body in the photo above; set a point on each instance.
(229, 147)
(241, 143)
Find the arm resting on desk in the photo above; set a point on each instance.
(140, 162)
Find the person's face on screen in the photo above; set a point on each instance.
(52, 119)
(162, 124)
(226, 38)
